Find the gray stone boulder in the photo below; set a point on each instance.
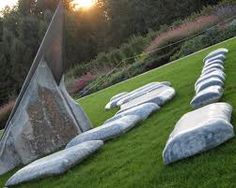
(143, 111)
(220, 51)
(215, 74)
(55, 164)
(199, 131)
(220, 57)
(158, 96)
(107, 131)
(212, 81)
(207, 96)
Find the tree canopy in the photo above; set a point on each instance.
(87, 32)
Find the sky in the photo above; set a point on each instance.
(78, 3)
(10, 3)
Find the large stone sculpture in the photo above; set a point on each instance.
(45, 118)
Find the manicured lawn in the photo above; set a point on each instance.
(135, 159)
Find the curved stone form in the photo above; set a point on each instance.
(124, 97)
(209, 82)
(207, 96)
(158, 96)
(220, 51)
(199, 131)
(215, 74)
(213, 66)
(119, 95)
(143, 111)
(45, 118)
(209, 71)
(142, 92)
(220, 57)
(55, 164)
(107, 131)
(216, 61)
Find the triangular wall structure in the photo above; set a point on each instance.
(45, 117)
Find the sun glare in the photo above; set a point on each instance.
(7, 3)
(82, 4)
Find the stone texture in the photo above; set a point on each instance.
(199, 131)
(220, 57)
(80, 116)
(107, 131)
(213, 66)
(207, 96)
(215, 74)
(215, 62)
(209, 82)
(55, 164)
(209, 71)
(142, 92)
(220, 51)
(158, 96)
(113, 103)
(119, 95)
(42, 123)
(143, 111)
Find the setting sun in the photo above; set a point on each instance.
(82, 4)
(8, 3)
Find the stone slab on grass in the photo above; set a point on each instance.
(199, 131)
(213, 81)
(159, 97)
(219, 51)
(107, 131)
(207, 96)
(215, 74)
(113, 103)
(143, 111)
(220, 57)
(55, 164)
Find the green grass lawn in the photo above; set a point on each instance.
(135, 159)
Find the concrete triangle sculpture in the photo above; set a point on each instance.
(45, 118)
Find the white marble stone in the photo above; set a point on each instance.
(113, 103)
(199, 131)
(119, 95)
(212, 81)
(142, 92)
(220, 51)
(215, 74)
(207, 96)
(143, 111)
(107, 131)
(213, 66)
(159, 97)
(220, 57)
(55, 164)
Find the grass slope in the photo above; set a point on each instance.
(135, 159)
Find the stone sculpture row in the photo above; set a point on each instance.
(209, 86)
(208, 126)
(151, 97)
